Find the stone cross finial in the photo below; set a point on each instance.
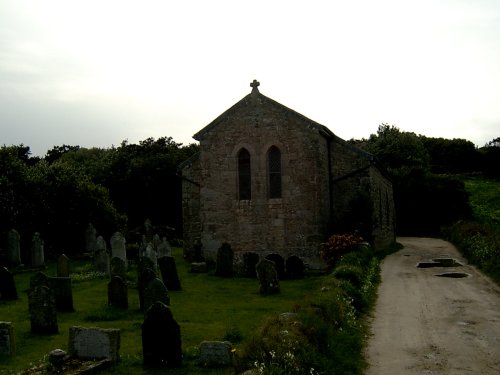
(254, 85)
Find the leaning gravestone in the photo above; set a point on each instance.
(7, 341)
(101, 261)
(118, 246)
(37, 251)
(8, 290)
(118, 292)
(224, 265)
(161, 338)
(215, 354)
(94, 343)
(268, 277)
(146, 275)
(13, 248)
(117, 267)
(169, 273)
(42, 309)
(155, 291)
(164, 249)
(63, 266)
(63, 293)
(90, 239)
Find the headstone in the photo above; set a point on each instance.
(279, 263)
(148, 228)
(295, 267)
(100, 244)
(224, 265)
(63, 293)
(13, 248)
(117, 267)
(90, 239)
(155, 291)
(250, 260)
(156, 242)
(164, 249)
(146, 275)
(101, 261)
(118, 292)
(199, 267)
(63, 266)
(8, 290)
(7, 339)
(215, 354)
(37, 251)
(151, 255)
(169, 273)
(39, 279)
(268, 277)
(42, 309)
(161, 338)
(94, 343)
(118, 246)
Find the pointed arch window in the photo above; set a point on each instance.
(274, 171)
(244, 175)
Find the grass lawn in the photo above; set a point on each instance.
(208, 308)
(485, 199)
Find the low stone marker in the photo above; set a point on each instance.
(8, 290)
(161, 338)
(118, 292)
(268, 277)
(7, 340)
(42, 309)
(63, 266)
(94, 343)
(215, 354)
(169, 273)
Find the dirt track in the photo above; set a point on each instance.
(424, 324)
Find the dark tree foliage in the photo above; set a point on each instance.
(452, 155)
(491, 158)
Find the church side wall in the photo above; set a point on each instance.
(191, 207)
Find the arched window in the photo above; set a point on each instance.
(244, 175)
(274, 171)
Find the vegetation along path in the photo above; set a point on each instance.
(426, 324)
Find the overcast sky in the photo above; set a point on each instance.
(95, 73)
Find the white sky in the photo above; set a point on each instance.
(94, 73)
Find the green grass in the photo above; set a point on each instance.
(208, 308)
(485, 199)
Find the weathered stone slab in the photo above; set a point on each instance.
(268, 277)
(169, 273)
(155, 291)
(117, 267)
(118, 292)
(7, 339)
(143, 280)
(164, 249)
(215, 354)
(279, 264)
(42, 309)
(101, 261)
(13, 248)
(118, 247)
(94, 343)
(39, 279)
(161, 338)
(63, 266)
(37, 251)
(199, 267)
(8, 290)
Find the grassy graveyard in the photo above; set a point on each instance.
(208, 308)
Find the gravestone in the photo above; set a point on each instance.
(7, 339)
(164, 249)
(268, 277)
(90, 239)
(148, 228)
(215, 354)
(39, 279)
(42, 309)
(295, 267)
(169, 273)
(224, 265)
(250, 260)
(279, 263)
(118, 292)
(100, 244)
(63, 266)
(8, 290)
(37, 251)
(199, 267)
(161, 338)
(156, 242)
(117, 267)
(13, 248)
(143, 279)
(151, 255)
(118, 247)
(155, 291)
(101, 261)
(94, 343)
(63, 293)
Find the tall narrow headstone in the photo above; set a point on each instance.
(164, 249)
(169, 273)
(90, 239)
(151, 254)
(268, 277)
(155, 291)
(42, 309)
(118, 292)
(161, 338)
(146, 275)
(37, 251)
(7, 340)
(118, 246)
(225, 257)
(8, 290)
(13, 248)
(101, 261)
(63, 266)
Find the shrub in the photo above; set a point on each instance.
(338, 245)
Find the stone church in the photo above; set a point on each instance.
(270, 180)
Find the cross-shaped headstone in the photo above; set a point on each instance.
(254, 85)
